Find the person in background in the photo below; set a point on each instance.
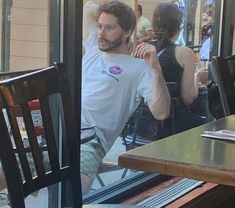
(113, 82)
(181, 5)
(207, 24)
(178, 66)
(204, 52)
(207, 20)
(144, 26)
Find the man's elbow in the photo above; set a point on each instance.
(161, 114)
(188, 100)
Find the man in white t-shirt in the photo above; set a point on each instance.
(144, 26)
(113, 82)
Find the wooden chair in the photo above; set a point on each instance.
(231, 66)
(39, 85)
(143, 128)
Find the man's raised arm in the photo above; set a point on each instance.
(90, 17)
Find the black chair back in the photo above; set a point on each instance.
(143, 128)
(221, 74)
(231, 66)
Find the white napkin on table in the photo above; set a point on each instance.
(221, 134)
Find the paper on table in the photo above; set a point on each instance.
(222, 134)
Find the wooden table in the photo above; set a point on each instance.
(188, 155)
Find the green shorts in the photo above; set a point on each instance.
(92, 154)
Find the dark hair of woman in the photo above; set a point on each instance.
(166, 21)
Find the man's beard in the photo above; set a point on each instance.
(112, 44)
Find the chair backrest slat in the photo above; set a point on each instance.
(19, 144)
(231, 65)
(36, 151)
(48, 127)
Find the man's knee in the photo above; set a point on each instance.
(92, 154)
(86, 183)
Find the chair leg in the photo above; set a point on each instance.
(100, 180)
(124, 173)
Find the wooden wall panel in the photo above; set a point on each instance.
(29, 34)
(34, 32)
(39, 4)
(29, 16)
(29, 49)
(22, 63)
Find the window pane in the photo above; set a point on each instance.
(196, 28)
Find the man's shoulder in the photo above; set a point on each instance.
(130, 60)
(137, 63)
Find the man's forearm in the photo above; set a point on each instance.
(160, 102)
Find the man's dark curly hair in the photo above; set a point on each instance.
(124, 13)
(166, 21)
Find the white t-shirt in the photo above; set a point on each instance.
(112, 87)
